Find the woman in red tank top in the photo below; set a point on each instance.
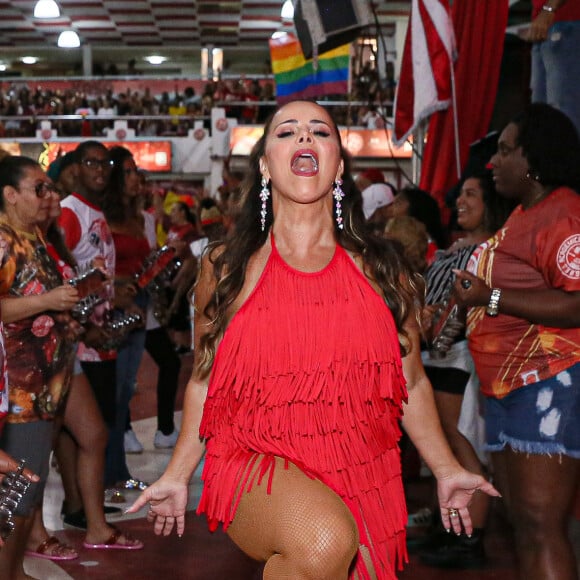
(299, 386)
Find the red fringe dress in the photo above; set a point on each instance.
(309, 369)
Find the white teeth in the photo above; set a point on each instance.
(305, 163)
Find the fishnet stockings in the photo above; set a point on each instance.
(303, 530)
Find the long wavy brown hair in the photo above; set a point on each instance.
(383, 259)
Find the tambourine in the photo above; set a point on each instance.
(446, 330)
(12, 490)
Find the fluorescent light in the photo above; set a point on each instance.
(46, 9)
(69, 39)
(29, 59)
(287, 10)
(155, 59)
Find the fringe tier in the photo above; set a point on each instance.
(309, 370)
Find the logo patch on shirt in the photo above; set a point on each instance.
(569, 257)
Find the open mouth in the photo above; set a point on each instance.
(304, 163)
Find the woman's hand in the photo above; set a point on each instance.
(427, 316)
(455, 492)
(8, 464)
(181, 248)
(167, 500)
(125, 292)
(469, 290)
(61, 298)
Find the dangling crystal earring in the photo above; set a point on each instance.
(338, 195)
(264, 195)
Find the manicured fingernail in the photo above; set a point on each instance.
(448, 530)
(469, 535)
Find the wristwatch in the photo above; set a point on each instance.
(493, 306)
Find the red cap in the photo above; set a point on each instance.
(374, 175)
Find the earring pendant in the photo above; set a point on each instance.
(338, 194)
(264, 195)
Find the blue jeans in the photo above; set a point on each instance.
(128, 360)
(556, 70)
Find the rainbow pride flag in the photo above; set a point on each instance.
(297, 77)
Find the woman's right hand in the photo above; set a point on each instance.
(61, 298)
(167, 501)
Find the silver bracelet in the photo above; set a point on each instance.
(493, 306)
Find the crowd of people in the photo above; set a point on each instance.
(77, 314)
(180, 110)
(250, 101)
(336, 322)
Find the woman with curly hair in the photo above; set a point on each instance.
(299, 386)
(523, 330)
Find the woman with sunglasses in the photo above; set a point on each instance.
(39, 343)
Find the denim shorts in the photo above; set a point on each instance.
(542, 418)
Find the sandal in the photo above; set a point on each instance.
(53, 549)
(113, 542)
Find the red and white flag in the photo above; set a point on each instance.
(425, 81)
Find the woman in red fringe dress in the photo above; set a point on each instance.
(299, 387)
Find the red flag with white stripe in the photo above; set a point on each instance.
(425, 81)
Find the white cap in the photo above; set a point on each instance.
(375, 196)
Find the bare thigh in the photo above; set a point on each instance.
(82, 416)
(301, 518)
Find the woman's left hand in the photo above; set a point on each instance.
(455, 492)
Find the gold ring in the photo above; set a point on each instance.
(453, 513)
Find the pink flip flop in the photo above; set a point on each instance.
(112, 543)
(52, 549)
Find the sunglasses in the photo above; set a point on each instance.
(44, 188)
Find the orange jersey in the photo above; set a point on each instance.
(537, 249)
